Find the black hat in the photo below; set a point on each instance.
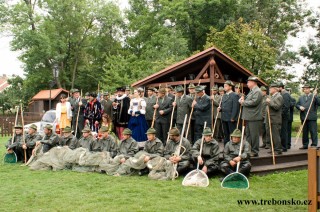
(179, 88)
(280, 84)
(93, 94)
(306, 86)
(121, 89)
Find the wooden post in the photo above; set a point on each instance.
(313, 178)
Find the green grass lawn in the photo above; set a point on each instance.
(25, 190)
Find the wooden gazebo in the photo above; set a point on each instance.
(212, 66)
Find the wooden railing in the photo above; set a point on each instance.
(7, 122)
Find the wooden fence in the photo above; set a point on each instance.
(313, 179)
(7, 121)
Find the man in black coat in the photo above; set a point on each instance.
(303, 105)
(229, 110)
(202, 112)
(285, 116)
(163, 115)
(78, 105)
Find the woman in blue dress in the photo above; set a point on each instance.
(137, 123)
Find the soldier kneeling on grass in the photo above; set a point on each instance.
(16, 144)
(209, 158)
(231, 155)
(170, 151)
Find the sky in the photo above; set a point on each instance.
(10, 64)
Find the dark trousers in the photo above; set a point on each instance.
(244, 168)
(183, 166)
(289, 134)
(264, 133)
(284, 134)
(310, 126)
(162, 131)
(191, 131)
(80, 125)
(149, 122)
(252, 135)
(275, 129)
(218, 131)
(211, 169)
(228, 128)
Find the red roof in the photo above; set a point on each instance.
(3, 83)
(179, 66)
(45, 94)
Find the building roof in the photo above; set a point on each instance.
(4, 83)
(229, 69)
(45, 94)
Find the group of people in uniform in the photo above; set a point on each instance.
(128, 125)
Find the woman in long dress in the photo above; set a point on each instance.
(137, 123)
(63, 113)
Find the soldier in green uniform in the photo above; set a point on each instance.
(263, 110)
(303, 104)
(252, 114)
(128, 146)
(170, 151)
(275, 103)
(183, 106)
(105, 143)
(150, 101)
(16, 145)
(154, 148)
(209, 158)
(68, 139)
(50, 139)
(86, 140)
(231, 155)
(31, 138)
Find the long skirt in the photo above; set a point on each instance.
(138, 126)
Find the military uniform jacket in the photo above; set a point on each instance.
(252, 105)
(292, 104)
(69, 141)
(229, 106)
(49, 141)
(210, 151)
(128, 148)
(16, 143)
(32, 139)
(231, 150)
(264, 106)
(183, 107)
(305, 102)
(165, 104)
(286, 104)
(171, 148)
(275, 108)
(150, 101)
(85, 142)
(105, 144)
(154, 148)
(202, 110)
(107, 107)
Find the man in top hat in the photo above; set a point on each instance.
(183, 106)
(105, 143)
(216, 98)
(264, 111)
(93, 112)
(78, 105)
(231, 155)
(154, 148)
(50, 139)
(121, 106)
(16, 144)
(68, 139)
(128, 146)
(290, 120)
(106, 105)
(229, 110)
(285, 116)
(170, 151)
(163, 115)
(202, 111)
(86, 140)
(208, 159)
(303, 105)
(30, 139)
(150, 102)
(252, 114)
(275, 103)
